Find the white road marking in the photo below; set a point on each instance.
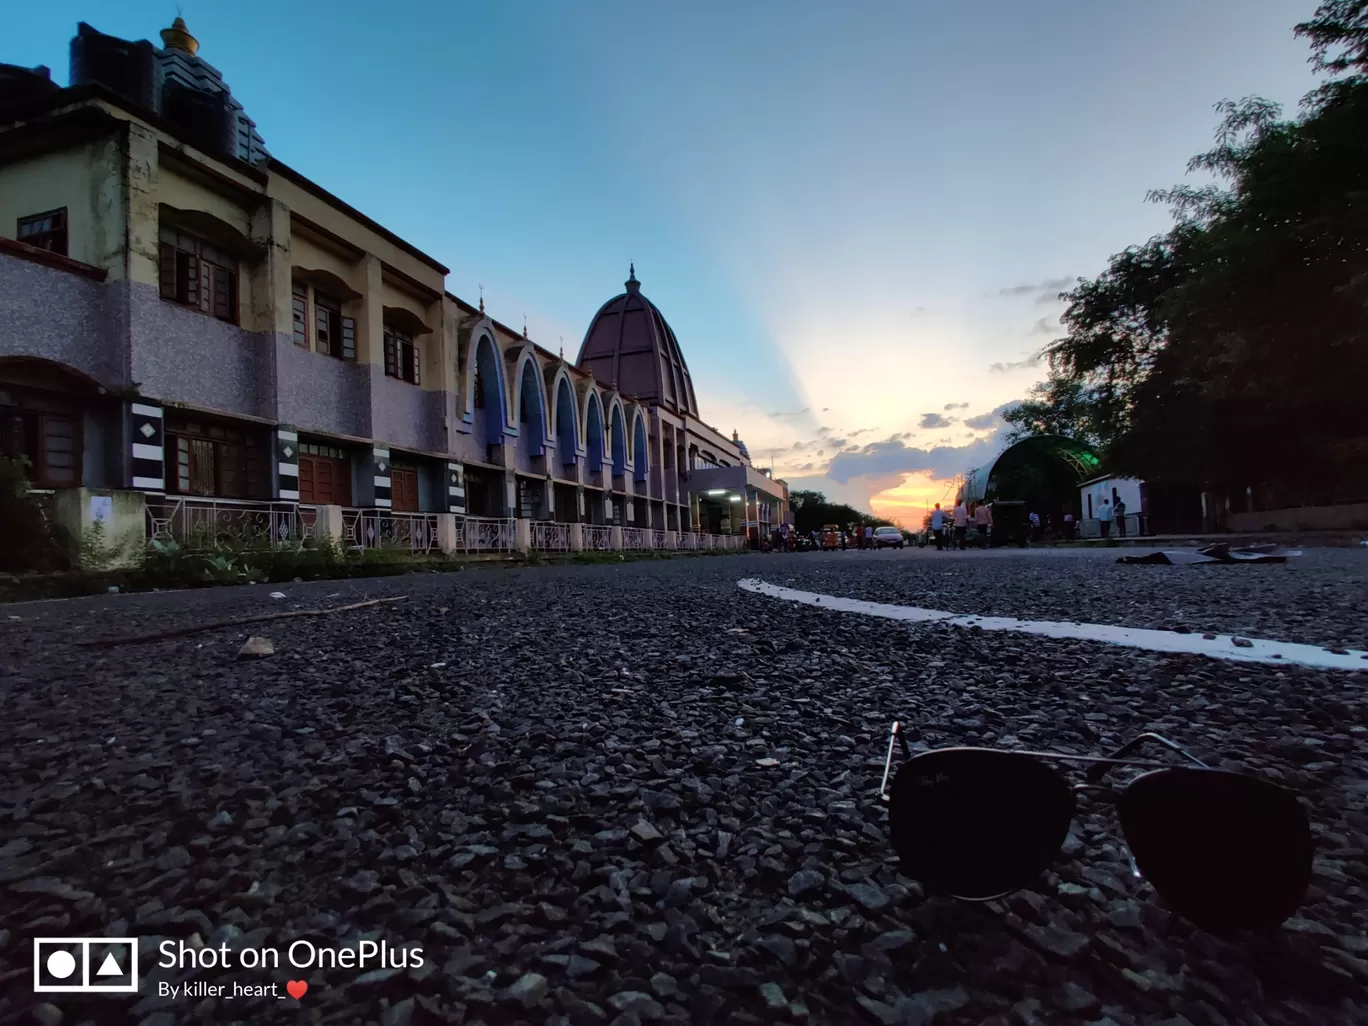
(1222, 646)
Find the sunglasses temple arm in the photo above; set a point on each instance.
(895, 735)
(1098, 771)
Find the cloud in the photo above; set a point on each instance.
(787, 414)
(1006, 368)
(920, 311)
(956, 406)
(879, 459)
(930, 421)
(1045, 326)
(1046, 291)
(991, 419)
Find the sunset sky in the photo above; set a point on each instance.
(856, 217)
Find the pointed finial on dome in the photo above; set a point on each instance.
(632, 284)
(178, 37)
(482, 299)
(524, 325)
(562, 340)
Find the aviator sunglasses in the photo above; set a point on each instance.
(1226, 851)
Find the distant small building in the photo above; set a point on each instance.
(1127, 489)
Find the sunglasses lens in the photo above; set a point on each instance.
(1226, 851)
(974, 823)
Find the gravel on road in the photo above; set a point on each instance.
(635, 793)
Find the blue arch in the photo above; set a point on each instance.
(594, 432)
(567, 433)
(619, 433)
(531, 408)
(489, 380)
(641, 454)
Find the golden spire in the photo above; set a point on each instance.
(178, 37)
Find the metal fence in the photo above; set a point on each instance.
(598, 537)
(485, 534)
(660, 540)
(217, 523)
(634, 538)
(548, 536)
(386, 529)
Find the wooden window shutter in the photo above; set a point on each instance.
(300, 304)
(223, 282)
(182, 463)
(415, 357)
(187, 278)
(168, 271)
(391, 357)
(349, 338)
(322, 325)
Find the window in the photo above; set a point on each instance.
(197, 275)
(217, 461)
(402, 357)
(479, 390)
(299, 302)
(51, 442)
(46, 231)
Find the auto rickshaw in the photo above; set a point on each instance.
(831, 536)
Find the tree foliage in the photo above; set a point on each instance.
(812, 510)
(1232, 350)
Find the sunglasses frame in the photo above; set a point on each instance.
(1099, 765)
(1097, 769)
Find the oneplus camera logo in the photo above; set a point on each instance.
(85, 965)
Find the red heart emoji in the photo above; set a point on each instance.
(297, 988)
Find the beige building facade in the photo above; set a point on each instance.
(185, 317)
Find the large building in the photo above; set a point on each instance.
(184, 317)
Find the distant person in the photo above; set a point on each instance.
(1119, 512)
(869, 536)
(1104, 518)
(1035, 526)
(961, 523)
(983, 519)
(1068, 526)
(938, 527)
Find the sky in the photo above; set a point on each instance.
(856, 217)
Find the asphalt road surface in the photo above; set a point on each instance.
(636, 793)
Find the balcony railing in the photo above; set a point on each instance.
(634, 538)
(660, 540)
(485, 534)
(214, 523)
(598, 537)
(387, 529)
(550, 537)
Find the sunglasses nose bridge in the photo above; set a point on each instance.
(1110, 794)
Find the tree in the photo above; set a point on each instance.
(812, 510)
(1232, 350)
(1060, 405)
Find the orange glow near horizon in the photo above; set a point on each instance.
(908, 501)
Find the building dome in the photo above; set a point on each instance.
(630, 345)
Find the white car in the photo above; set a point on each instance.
(888, 537)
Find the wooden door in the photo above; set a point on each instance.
(324, 481)
(403, 488)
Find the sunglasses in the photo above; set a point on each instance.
(1227, 852)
